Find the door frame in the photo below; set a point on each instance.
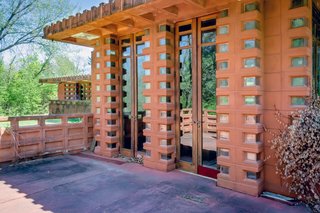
(197, 118)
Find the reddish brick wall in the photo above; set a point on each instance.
(44, 135)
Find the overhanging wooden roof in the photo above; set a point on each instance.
(66, 79)
(123, 17)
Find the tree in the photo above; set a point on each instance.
(22, 21)
(297, 149)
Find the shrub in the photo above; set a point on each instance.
(297, 149)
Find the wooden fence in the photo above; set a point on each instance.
(33, 136)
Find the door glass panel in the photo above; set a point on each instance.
(185, 57)
(209, 148)
(126, 96)
(209, 36)
(141, 98)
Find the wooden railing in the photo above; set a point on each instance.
(69, 106)
(209, 121)
(33, 136)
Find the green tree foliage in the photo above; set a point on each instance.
(22, 21)
(20, 91)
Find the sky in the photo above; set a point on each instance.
(87, 4)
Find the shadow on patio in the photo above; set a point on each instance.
(78, 184)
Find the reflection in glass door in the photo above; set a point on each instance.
(126, 50)
(184, 31)
(207, 41)
(132, 93)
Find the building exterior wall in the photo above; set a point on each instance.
(279, 71)
(259, 80)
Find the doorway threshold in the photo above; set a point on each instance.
(191, 173)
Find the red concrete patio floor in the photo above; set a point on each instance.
(76, 184)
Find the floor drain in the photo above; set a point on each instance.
(193, 198)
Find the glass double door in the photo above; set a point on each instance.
(196, 62)
(132, 113)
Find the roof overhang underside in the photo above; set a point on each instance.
(123, 17)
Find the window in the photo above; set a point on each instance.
(251, 7)
(209, 36)
(147, 85)
(98, 65)
(223, 100)
(110, 88)
(147, 72)
(299, 61)
(251, 138)
(165, 99)
(110, 64)
(97, 76)
(148, 153)
(253, 175)
(223, 30)
(299, 42)
(98, 88)
(110, 52)
(112, 134)
(98, 111)
(225, 136)
(223, 65)
(223, 152)
(164, 41)
(251, 43)
(165, 85)
(251, 119)
(251, 62)
(98, 99)
(147, 99)
(165, 28)
(224, 170)
(251, 81)
(165, 71)
(148, 113)
(224, 13)
(111, 111)
(223, 118)
(251, 25)
(298, 22)
(165, 142)
(251, 100)
(223, 48)
(110, 41)
(251, 156)
(110, 76)
(164, 56)
(97, 54)
(147, 126)
(112, 122)
(298, 101)
(298, 3)
(223, 83)
(166, 156)
(111, 99)
(299, 81)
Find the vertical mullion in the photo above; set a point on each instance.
(199, 96)
(194, 95)
(133, 97)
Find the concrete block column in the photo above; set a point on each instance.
(160, 101)
(105, 99)
(240, 105)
